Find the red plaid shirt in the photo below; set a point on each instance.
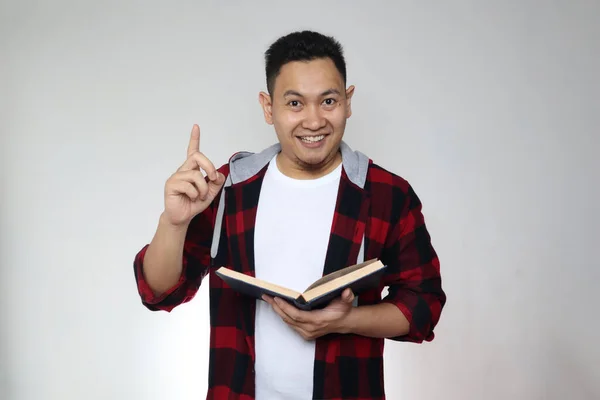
(386, 212)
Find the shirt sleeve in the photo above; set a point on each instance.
(413, 277)
(196, 263)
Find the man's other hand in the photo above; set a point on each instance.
(316, 323)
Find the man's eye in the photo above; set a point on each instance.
(330, 102)
(294, 103)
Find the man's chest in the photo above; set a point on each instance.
(292, 231)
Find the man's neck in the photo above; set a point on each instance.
(299, 170)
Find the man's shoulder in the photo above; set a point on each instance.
(382, 178)
(391, 194)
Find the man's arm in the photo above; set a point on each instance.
(162, 261)
(340, 316)
(170, 269)
(379, 320)
(413, 274)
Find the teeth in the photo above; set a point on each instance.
(312, 139)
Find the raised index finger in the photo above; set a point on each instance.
(194, 145)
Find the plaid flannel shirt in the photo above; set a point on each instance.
(382, 218)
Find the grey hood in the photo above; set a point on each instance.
(244, 165)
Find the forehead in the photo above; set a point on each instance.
(308, 77)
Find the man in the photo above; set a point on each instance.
(306, 206)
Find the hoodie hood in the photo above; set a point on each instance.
(244, 165)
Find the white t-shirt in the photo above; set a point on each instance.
(293, 224)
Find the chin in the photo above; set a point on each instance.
(313, 160)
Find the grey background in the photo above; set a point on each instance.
(490, 109)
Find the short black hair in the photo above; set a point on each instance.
(302, 46)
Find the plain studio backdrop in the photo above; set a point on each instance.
(490, 109)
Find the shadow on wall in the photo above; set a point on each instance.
(4, 367)
(570, 375)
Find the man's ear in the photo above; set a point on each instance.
(267, 106)
(349, 93)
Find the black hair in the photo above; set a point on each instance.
(302, 46)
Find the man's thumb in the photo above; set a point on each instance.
(215, 186)
(348, 296)
(220, 179)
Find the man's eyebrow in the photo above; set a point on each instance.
(325, 93)
(330, 92)
(291, 93)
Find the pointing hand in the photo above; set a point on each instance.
(187, 191)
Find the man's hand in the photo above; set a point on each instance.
(316, 323)
(187, 193)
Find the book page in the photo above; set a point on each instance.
(258, 283)
(344, 271)
(349, 275)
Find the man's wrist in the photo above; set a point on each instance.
(349, 322)
(166, 225)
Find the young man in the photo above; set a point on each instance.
(306, 206)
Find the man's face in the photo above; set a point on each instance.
(308, 108)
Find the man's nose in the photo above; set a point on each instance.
(314, 119)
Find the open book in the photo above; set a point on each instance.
(359, 277)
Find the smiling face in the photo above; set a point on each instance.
(308, 108)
